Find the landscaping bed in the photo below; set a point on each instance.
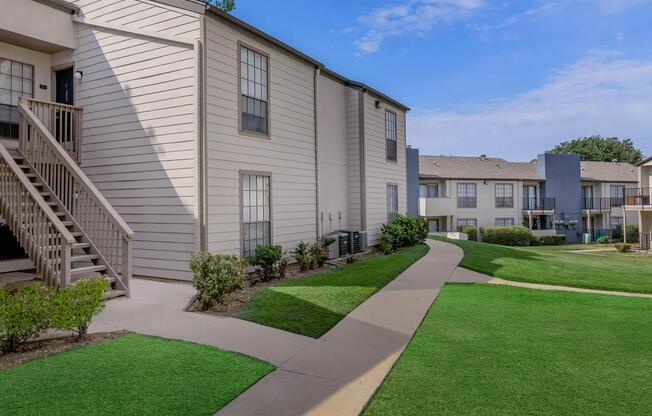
(559, 265)
(130, 375)
(495, 350)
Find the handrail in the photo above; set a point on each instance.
(34, 100)
(76, 171)
(40, 232)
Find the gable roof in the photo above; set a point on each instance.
(490, 168)
(201, 7)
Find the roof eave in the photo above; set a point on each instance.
(63, 5)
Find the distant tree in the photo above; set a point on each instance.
(602, 149)
(224, 5)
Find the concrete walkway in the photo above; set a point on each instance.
(496, 281)
(338, 373)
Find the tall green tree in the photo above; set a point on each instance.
(602, 149)
(224, 5)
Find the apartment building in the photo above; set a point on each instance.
(553, 194)
(175, 128)
(638, 202)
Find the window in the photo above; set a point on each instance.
(616, 223)
(16, 80)
(433, 226)
(256, 213)
(392, 202)
(390, 135)
(466, 222)
(504, 195)
(254, 92)
(504, 222)
(429, 191)
(617, 193)
(466, 195)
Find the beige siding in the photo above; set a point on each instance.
(380, 172)
(139, 131)
(288, 154)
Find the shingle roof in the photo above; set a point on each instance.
(462, 167)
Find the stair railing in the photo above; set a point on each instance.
(39, 231)
(109, 236)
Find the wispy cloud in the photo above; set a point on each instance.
(600, 94)
(615, 6)
(416, 17)
(516, 18)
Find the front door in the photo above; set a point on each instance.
(64, 95)
(530, 194)
(433, 226)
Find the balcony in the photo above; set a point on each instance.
(638, 198)
(437, 207)
(597, 204)
(538, 204)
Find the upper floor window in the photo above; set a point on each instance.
(16, 80)
(466, 195)
(391, 135)
(429, 190)
(254, 92)
(504, 195)
(617, 194)
(392, 202)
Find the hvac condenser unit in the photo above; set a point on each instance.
(357, 241)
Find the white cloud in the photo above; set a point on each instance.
(416, 17)
(615, 6)
(601, 94)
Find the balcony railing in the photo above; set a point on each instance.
(538, 204)
(467, 202)
(504, 202)
(638, 197)
(617, 201)
(596, 204)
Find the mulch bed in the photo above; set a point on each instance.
(240, 298)
(43, 348)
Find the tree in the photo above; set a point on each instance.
(224, 5)
(602, 149)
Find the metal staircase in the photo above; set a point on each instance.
(61, 220)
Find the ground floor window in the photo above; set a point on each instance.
(616, 222)
(256, 212)
(504, 222)
(392, 202)
(466, 222)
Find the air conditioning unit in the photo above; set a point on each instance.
(334, 249)
(364, 242)
(357, 241)
(343, 244)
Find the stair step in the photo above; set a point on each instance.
(52, 203)
(60, 214)
(44, 194)
(87, 270)
(76, 234)
(112, 294)
(80, 245)
(67, 223)
(84, 257)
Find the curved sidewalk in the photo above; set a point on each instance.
(338, 373)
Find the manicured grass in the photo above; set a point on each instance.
(560, 265)
(496, 350)
(313, 305)
(131, 375)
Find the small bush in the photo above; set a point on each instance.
(74, 306)
(535, 241)
(471, 232)
(507, 236)
(267, 258)
(404, 231)
(553, 240)
(386, 243)
(24, 315)
(603, 240)
(215, 276)
(623, 247)
(303, 256)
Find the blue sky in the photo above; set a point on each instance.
(505, 78)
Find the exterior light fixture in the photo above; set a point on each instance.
(79, 75)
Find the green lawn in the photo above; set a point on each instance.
(560, 265)
(131, 375)
(496, 350)
(313, 305)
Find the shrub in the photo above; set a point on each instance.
(303, 256)
(507, 236)
(386, 243)
(317, 254)
(24, 314)
(215, 276)
(535, 241)
(267, 258)
(603, 240)
(553, 240)
(623, 247)
(471, 232)
(74, 306)
(404, 231)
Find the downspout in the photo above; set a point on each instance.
(202, 165)
(317, 201)
(363, 167)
